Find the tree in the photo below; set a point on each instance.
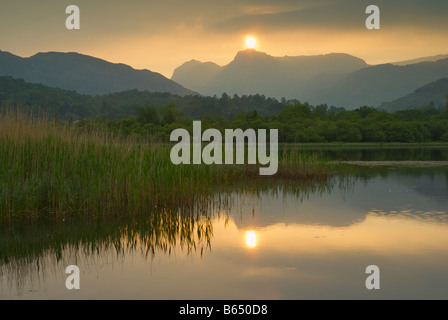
(170, 113)
(147, 115)
(168, 117)
(409, 115)
(320, 111)
(373, 133)
(444, 137)
(347, 115)
(446, 105)
(332, 111)
(347, 132)
(364, 111)
(400, 132)
(106, 108)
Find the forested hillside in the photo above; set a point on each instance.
(143, 113)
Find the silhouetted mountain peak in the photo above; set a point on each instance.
(253, 71)
(250, 53)
(251, 58)
(193, 63)
(335, 78)
(195, 73)
(85, 74)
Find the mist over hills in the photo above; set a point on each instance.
(84, 74)
(336, 79)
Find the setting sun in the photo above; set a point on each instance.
(251, 42)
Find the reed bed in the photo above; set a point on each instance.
(48, 168)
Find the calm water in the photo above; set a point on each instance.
(385, 153)
(275, 242)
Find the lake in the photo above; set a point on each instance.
(281, 240)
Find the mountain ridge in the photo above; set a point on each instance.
(376, 84)
(85, 74)
(252, 72)
(337, 79)
(432, 94)
(421, 59)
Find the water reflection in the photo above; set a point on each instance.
(251, 238)
(31, 252)
(382, 153)
(317, 240)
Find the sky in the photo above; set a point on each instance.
(161, 35)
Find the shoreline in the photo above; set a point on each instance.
(405, 163)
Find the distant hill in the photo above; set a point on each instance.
(253, 72)
(434, 93)
(84, 74)
(423, 59)
(376, 84)
(43, 99)
(72, 105)
(336, 79)
(196, 74)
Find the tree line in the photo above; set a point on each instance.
(143, 113)
(297, 123)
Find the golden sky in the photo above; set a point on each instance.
(161, 35)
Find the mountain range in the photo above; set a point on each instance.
(84, 74)
(336, 79)
(253, 72)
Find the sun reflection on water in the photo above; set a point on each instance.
(251, 238)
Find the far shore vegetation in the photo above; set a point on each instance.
(296, 123)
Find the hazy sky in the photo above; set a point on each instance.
(161, 35)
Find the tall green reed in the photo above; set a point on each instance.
(48, 168)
